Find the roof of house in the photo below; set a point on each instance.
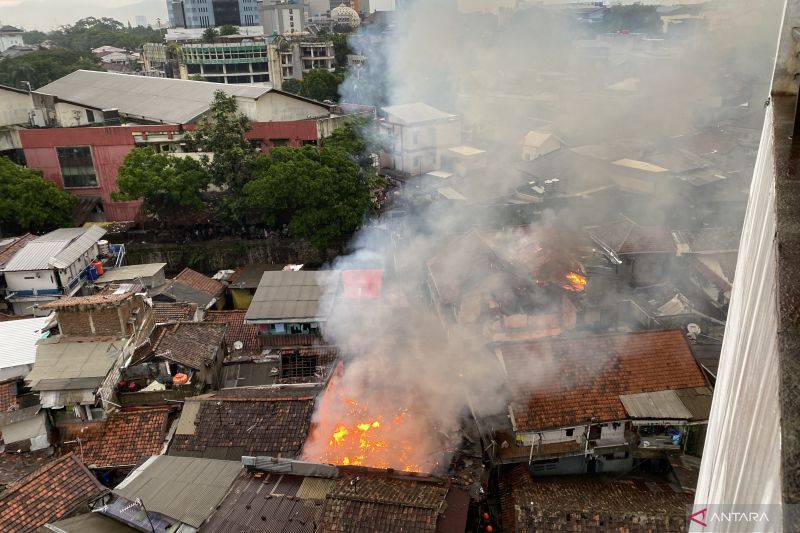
(130, 272)
(73, 365)
(291, 296)
(416, 113)
(248, 277)
(156, 99)
(174, 312)
(362, 284)
(269, 501)
(183, 488)
(77, 247)
(8, 251)
(220, 427)
(624, 236)
(95, 300)
(19, 341)
(237, 330)
(709, 240)
(538, 139)
(10, 29)
(193, 344)
(589, 503)
(91, 523)
(565, 381)
(14, 466)
(127, 437)
(36, 254)
(365, 500)
(52, 491)
(199, 282)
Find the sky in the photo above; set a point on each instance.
(48, 14)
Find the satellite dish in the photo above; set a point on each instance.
(238, 345)
(692, 331)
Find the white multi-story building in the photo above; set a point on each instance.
(211, 13)
(280, 17)
(10, 36)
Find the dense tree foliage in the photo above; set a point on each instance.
(321, 85)
(43, 66)
(359, 138)
(228, 29)
(291, 85)
(165, 182)
(34, 37)
(341, 47)
(89, 33)
(209, 35)
(29, 203)
(222, 133)
(320, 192)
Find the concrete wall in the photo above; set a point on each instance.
(14, 107)
(71, 115)
(31, 280)
(278, 107)
(33, 429)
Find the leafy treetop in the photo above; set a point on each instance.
(43, 66)
(228, 29)
(29, 203)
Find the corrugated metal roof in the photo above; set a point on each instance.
(415, 113)
(661, 405)
(73, 361)
(130, 272)
(158, 99)
(19, 339)
(78, 247)
(184, 488)
(291, 296)
(36, 254)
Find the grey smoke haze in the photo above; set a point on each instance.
(506, 75)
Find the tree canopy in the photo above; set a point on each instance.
(165, 182)
(29, 203)
(228, 29)
(90, 32)
(43, 66)
(209, 35)
(320, 85)
(320, 192)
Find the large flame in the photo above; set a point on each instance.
(575, 282)
(349, 432)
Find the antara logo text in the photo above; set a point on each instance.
(703, 517)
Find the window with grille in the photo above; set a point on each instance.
(77, 168)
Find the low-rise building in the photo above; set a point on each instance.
(420, 135)
(190, 286)
(51, 266)
(593, 403)
(10, 36)
(149, 276)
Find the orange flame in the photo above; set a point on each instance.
(575, 282)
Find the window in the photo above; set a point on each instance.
(90, 115)
(77, 169)
(569, 432)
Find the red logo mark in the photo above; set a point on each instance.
(699, 517)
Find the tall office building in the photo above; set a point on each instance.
(212, 13)
(281, 17)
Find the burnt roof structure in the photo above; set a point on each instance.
(193, 344)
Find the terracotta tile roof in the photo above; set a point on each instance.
(199, 282)
(364, 502)
(227, 428)
(237, 329)
(7, 253)
(589, 503)
(8, 395)
(174, 312)
(49, 493)
(192, 344)
(16, 465)
(624, 236)
(566, 381)
(124, 439)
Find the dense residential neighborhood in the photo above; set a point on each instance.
(362, 266)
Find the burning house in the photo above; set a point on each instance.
(593, 403)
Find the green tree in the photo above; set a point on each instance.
(29, 203)
(209, 35)
(228, 29)
(359, 138)
(222, 133)
(321, 193)
(43, 66)
(341, 47)
(165, 182)
(90, 32)
(291, 86)
(34, 37)
(320, 85)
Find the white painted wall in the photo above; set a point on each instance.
(70, 115)
(9, 40)
(14, 107)
(30, 280)
(32, 428)
(553, 436)
(274, 107)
